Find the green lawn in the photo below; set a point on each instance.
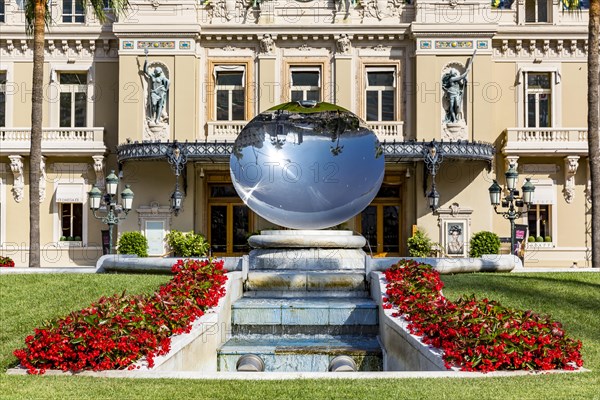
(572, 298)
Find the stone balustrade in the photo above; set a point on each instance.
(228, 130)
(76, 141)
(388, 130)
(543, 140)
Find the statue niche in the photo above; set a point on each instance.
(454, 85)
(156, 101)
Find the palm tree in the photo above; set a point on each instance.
(593, 134)
(37, 16)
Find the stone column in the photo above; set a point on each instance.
(269, 87)
(344, 73)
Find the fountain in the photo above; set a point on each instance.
(306, 305)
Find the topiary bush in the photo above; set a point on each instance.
(188, 244)
(539, 239)
(133, 243)
(484, 242)
(419, 244)
(531, 239)
(548, 239)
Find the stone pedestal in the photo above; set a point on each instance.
(305, 250)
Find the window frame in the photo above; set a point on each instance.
(305, 88)
(54, 92)
(8, 105)
(229, 89)
(556, 93)
(379, 90)
(537, 92)
(220, 179)
(394, 180)
(74, 179)
(73, 89)
(71, 220)
(549, 185)
(536, 10)
(73, 14)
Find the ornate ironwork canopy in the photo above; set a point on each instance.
(408, 151)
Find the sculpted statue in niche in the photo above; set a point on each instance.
(158, 84)
(454, 83)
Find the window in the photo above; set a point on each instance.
(73, 11)
(71, 221)
(2, 12)
(538, 99)
(2, 97)
(380, 94)
(536, 11)
(538, 219)
(229, 219)
(73, 99)
(502, 4)
(380, 221)
(305, 83)
(231, 96)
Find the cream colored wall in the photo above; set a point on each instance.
(183, 97)
(269, 87)
(344, 82)
(427, 98)
(154, 181)
(130, 98)
(106, 102)
(22, 75)
(574, 94)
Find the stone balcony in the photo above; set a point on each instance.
(545, 141)
(221, 131)
(55, 141)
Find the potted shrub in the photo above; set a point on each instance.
(484, 242)
(531, 239)
(133, 243)
(539, 239)
(419, 244)
(188, 244)
(548, 239)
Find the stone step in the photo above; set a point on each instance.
(310, 281)
(305, 294)
(307, 259)
(287, 312)
(301, 353)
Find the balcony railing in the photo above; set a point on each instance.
(54, 140)
(221, 131)
(546, 140)
(388, 130)
(228, 130)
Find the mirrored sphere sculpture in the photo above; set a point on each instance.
(307, 165)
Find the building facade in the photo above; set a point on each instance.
(188, 75)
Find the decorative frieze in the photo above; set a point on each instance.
(166, 45)
(56, 49)
(511, 49)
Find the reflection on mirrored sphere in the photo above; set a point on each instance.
(307, 166)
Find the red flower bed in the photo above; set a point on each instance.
(6, 262)
(117, 331)
(476, 335)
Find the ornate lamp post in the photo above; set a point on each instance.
(512, 200)
(110, 201)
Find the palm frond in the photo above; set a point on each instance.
(29, 6)
(118, 7)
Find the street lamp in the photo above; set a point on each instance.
(110, 201)
(512, 200)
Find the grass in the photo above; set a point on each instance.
(572, 298)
